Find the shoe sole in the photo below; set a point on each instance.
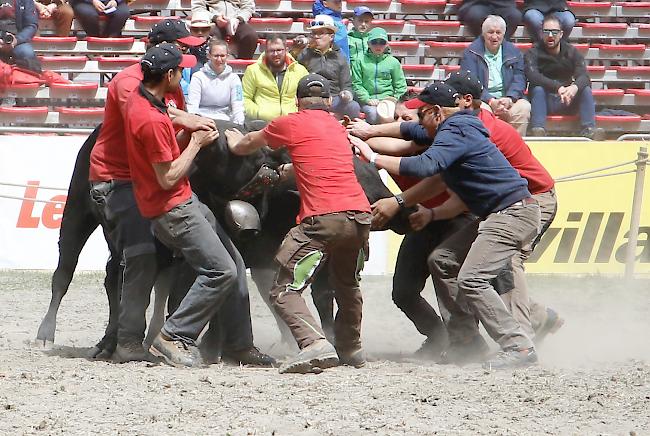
(316, 364)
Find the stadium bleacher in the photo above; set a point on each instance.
(613, 36)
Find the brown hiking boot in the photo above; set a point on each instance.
(315, 357)
(176, 352)
(132, 352)
(356, 357)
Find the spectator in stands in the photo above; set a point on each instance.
(200, 26)
(89, 12)
(358, 36)
(19, 23)
(215, 91)
(535, 10)
(499, 64)
(333, 9)
(231, 19)
(325, 58)
(270, 83)
(559, 83)
(473, 13)
(61, 13)
(377, 75)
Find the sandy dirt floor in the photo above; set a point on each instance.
(593, 378)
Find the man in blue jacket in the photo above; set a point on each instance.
(473, 168)
(499, 64)
(18, 25)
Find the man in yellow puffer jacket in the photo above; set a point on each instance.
(270, 83)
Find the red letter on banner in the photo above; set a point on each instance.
(25, 218)
(53, 212)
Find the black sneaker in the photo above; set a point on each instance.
(315, 357)
(552, 324)
(473, 351)
(595, 133)
(250, 356)
(512, 359)
(432, 348)
(538, 131)
(356, 358)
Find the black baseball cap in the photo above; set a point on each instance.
(165, 57)
(313, 85)
(465, 83)
(436, 93)
(170, 30)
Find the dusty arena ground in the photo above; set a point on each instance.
(594, 377)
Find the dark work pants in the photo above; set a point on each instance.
(473, 15)
(131, 234)
(89, 19)
(412, 272)
(245, 40)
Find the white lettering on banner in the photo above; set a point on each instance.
(52, 212)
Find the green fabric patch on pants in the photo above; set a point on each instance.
(304, 269)
(361, 261)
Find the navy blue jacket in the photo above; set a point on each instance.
(26, 20)
(512, 69)
(470, 164)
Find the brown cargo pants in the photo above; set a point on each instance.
(336, 240)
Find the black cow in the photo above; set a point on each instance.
(218, 178)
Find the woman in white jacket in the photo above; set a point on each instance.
(215, 91)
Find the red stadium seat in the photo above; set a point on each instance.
(582, 48)
(618, 123)
(58, 63)
(524, 46)
(621, 51)
(424, 7)
(20, 90)
(608, 96)
(404, 48)
(449, 68)
(391, 26)
(271, 24)
(644, 30)
(109, 44)
(640, 73)
(373, 3)
(119, 63)
(596, 71)
(445, 49)
(80, 116)
(54, 42)
(562, 122)
(641, 96)
(436, 28)
(23, 115)
(590, 8)
(146, 23)
(634, 9)
(418, 71)
(73, 91)
(239, 65)
(604, 30)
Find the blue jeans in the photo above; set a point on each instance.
(340, 108)
(191, 229)
(25, 57)
(545, 103)
(533, 20)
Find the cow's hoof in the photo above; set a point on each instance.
(97, 353)
(46, 332)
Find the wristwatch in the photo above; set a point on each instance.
(400, 201)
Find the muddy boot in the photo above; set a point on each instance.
(432, 347)
(507, 359)
(314, 357)
(356, 358)
(176, 352)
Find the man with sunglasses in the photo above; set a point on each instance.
(559, 83)
(473, 168)
(377, 75)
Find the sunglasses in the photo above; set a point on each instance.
(378, 42)
(315, 23)
(552, 32)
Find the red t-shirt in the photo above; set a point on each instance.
(322, 158)
(513, 147)
(150, 138)
(108, 158)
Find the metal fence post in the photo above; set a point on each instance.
(637, 200)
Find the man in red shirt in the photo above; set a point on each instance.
(163, 195)
(112, 192)
(334, 226)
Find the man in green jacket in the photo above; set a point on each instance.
(358, 36)
(377, 75)
(270, 83)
